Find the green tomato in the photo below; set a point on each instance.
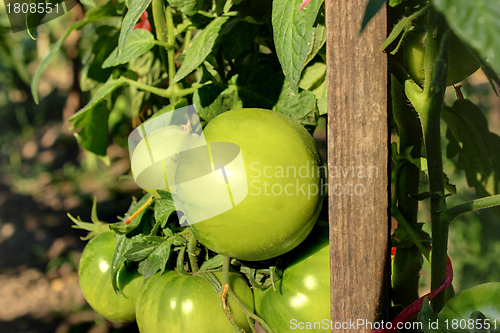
(154, 160)
(303, 293)
(461, 63)
(94, 276)
(456, 314)
(256, 190)
(172, 302)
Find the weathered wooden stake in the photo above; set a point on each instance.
(357, 164)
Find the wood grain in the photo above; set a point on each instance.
(358, 140)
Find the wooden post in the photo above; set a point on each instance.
(358, 140)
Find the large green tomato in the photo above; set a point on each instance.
(94, 276)
(461, 63)
(302, 300)
(456, 314)
(171, 303)
(253, 189)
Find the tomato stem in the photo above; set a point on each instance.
(180, 261)
(161, 27)
(192, 255)
(137, 212)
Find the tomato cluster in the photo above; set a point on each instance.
(273, 153)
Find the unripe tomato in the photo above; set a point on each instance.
(257, 191)
(172, 302)
(456, 313)
(461, 63)
(154, 160)
(303, 293)
(94, 276)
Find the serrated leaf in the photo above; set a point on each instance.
(477, 23)
(95, 14)
(188, 7)
(212, 263)
(470, 128)
(371, 10)
(426, 316)
(102, 49)
(293, 33)
(139, 42)
(293, 105)
(135, 10)
(99, 96)
(318, 39)
(142, 249)
(209, 108)
(200, 47)
(238, 39)
(258, 87)
(164, 207)
(309, 121)
(157, 260)
(123, 243)
(93, 135)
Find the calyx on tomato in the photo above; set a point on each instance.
(94, 276)
(172, 302)
(265, 198)
(461, 62)
(303, 293)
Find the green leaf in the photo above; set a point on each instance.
(318, 39)
(89, 3)
(209, 108)
(123, 243)
(371, 10)
(157, 260)
(475, 22)
(102, 49)
(99, 96)
(293, 105)
(212, 263)
(313, 76)
(258, 87)
(293, 33)
(142, 249)
(470, 129)
(200, 47)
(394, 3)
(93, 135)
(164, 207)
(137, 7)
(188, 7)
(238, 39)
(33, 19)
(96, 14)
(321, 95)
(139, 42)
(427, 316)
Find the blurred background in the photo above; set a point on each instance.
(44, 175)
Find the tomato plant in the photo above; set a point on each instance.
(255, 74)
(277, 187)
(94, 276)
(303, 293)
(172, 302)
